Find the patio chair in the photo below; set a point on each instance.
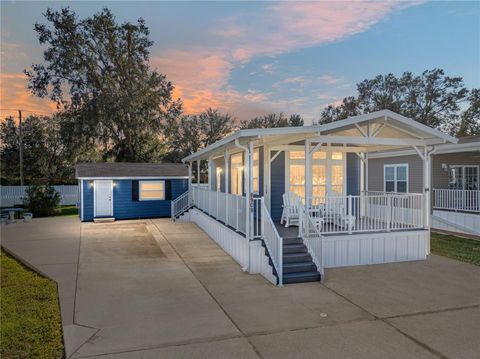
(290, 215)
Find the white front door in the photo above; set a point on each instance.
(103, 198)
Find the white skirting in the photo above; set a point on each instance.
(460, 222)
(249, 254)
(374, 248)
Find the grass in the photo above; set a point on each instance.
(463, 249)
(31, 325)
(68, 210)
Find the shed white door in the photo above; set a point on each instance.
(103, 198)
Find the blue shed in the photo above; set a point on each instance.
(129, 190)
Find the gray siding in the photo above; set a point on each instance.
(277, 170)
(353, 174)
(440, 176)
(415, 172)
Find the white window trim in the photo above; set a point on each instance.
(150, 199)
(395, 165)
(242, 175)
(463, 166)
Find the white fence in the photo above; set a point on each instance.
(456, 200)
(12, 195)
(367, 213)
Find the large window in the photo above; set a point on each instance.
(328, 170)
(256, 171)
(151, 190)
(236, 174)
(396, 178)
(463, 177)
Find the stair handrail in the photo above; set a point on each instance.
(273, 241)
(180, 204)
(305, 223)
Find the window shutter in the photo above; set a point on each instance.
(134, 191)
(168, 190)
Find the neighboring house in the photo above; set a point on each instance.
(455, 182)
(129, 190)
(256, 174)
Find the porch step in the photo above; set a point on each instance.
(296, 267)
(292, 241)
(296, 257)
(301, 277)
(104, 219)
(294, 248)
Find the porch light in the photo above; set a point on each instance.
(90, 183)
(114, 184)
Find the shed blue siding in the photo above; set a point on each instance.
(353, 174)
(87, 201)
(125, 208)
(277, 186)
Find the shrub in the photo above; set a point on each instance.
(42, 201)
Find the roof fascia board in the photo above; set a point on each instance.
(88, 178)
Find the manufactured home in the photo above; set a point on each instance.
(110, 191)
(455, 182)
(289, 202)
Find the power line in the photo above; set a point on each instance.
(31, 111)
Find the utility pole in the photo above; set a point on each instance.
(20, 145)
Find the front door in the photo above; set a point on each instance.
(103, 198)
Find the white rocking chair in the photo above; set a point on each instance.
(290, 215)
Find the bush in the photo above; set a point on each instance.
(42, 201)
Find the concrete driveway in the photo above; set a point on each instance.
(154, 289)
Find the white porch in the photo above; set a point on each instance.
(335, 227)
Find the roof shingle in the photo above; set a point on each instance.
(125, 169)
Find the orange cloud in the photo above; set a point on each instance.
(14, 96)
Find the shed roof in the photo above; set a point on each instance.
(130, 170)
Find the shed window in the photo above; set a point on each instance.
(151, 190)
(396, 178)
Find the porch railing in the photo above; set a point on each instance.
(273, 241)
(180, 205)
(225, 207)
(457, 200)
(367, 213)
(309, 231)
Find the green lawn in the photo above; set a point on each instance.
(463, 249)
(31, 325)
(70, 210)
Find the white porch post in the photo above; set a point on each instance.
(266, 176)
(427, 167)
(250, 208)
(210, 167)
(198, 172)
(308, 173)
(226, 158)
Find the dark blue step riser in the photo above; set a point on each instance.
(305, 279)
(295, 249)
(296, 269)
(292, 241)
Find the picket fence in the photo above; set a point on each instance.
(12, 195)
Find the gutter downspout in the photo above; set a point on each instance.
(247, 199)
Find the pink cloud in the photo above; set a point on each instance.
(14, 95)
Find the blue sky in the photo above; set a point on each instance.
(251, 58)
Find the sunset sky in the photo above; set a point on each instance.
(251, 58)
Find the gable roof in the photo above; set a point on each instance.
(426, 134)
(130, 170)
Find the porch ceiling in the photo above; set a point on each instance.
(373, 132)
